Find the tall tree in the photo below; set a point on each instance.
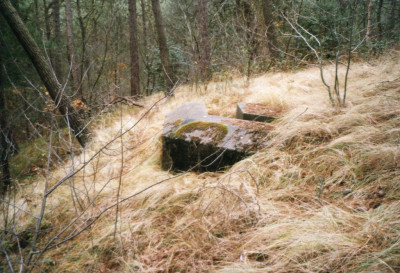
(135, 77)
(4, 135)
(47, 24)
(393, 18)
(270, 28)
(85, 57)
(204, 40)
(378, 19)
(169, 78)
(296, 18)
(71, 50)
(45, 72)
(57, 38)
(245, 12)
(144, 23)
(145, 56)
(369, 21)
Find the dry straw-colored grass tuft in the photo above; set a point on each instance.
(323, 197)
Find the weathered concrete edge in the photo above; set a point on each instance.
(241, 114)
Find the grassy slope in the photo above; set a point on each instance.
(281, 210)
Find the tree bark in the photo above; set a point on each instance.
(378, 19)
(252, 47)
(144, 19)
(57, 37)
(36, 9)
(145, 56)
(245, 14)
(4, 135)
(85, 59)
(45, 72)
(369, 21)
(71, 51)
(169, 79)
(393, 19)
(135, 76)
(204, 40)
(287, 49)
(270, 29)
(46, 20)
(48, 30)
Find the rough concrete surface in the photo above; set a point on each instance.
(194, 140)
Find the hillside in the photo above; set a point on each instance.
(324, 196)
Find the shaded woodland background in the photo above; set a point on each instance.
(90, 44)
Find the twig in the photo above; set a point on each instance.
(44, 201)
(27, 212)
(315, 53)
(61, 181)
(125, 100)
(296, 117)
(120, 176)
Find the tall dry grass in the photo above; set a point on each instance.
(323, 197)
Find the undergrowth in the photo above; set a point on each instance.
(322, 197)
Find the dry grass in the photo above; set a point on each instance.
(281, 210)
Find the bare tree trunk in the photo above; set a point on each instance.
(169, 79)
(378, 19)
(47, 23)
(245, 12)
(287, 49)
(45, 72)
(369, 21)
(393, 18)
(46, 20)
(204, 40)
(36, 9)
(145, 56)
(252, 47)
(71, 50)
(144, 19)
(85, 59)
(270, 29)
(57, 37)
(115, 54)
(48, 30)
(135, 76)
(4, 134)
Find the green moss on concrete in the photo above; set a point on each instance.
(217, 130)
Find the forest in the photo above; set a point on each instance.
(199, 136)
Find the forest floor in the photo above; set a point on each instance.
(324, 196)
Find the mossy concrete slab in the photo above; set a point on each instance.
(255, 112)
(193, 140)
